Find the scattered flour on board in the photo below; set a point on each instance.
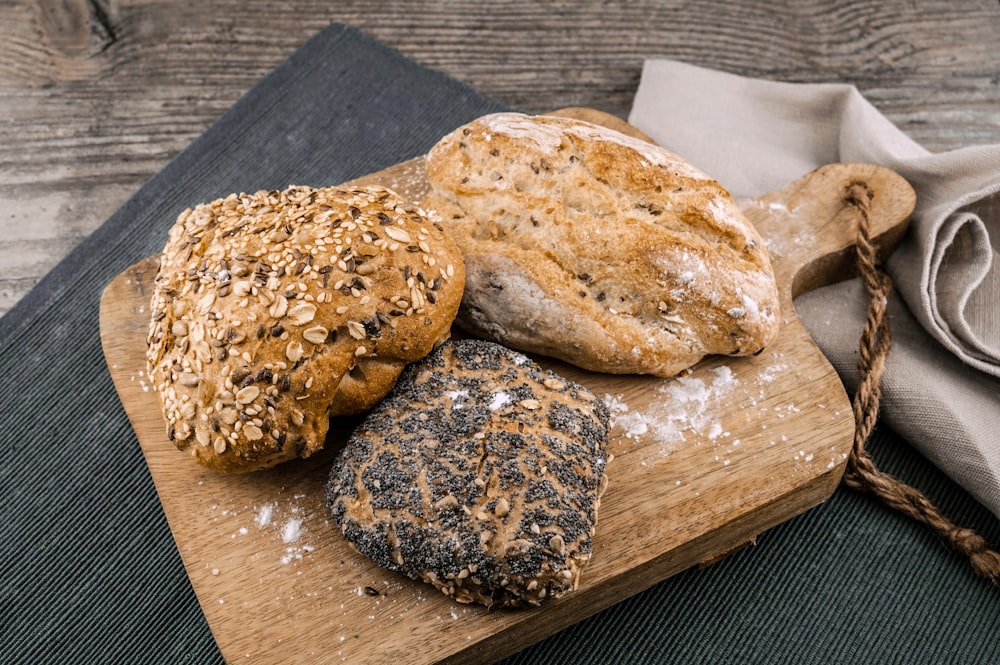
(292, 531)
(264, 515)
(275, 520)
(769, 374)
(142, 381)
(796, 232)
(683, 405)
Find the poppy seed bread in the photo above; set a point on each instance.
(481, 473)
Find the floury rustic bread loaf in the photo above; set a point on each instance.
(273, 311)
(481, 473)
(605, 251)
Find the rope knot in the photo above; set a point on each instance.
(985, 561)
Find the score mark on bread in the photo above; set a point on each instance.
(602, 250)
(481, 473)
(273, 311)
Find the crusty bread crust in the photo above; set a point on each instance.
(599, 249)
(481, 473)
(274, 311)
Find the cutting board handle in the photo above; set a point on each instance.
(811, 226)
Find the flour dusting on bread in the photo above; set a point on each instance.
(549, 138)
(597, 248)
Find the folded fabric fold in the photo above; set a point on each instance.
(944, 408)
(755, 136)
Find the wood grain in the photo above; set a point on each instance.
(701, 464)
(97, 95)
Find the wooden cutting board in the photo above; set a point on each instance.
(702, 464)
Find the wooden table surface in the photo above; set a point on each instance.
(97, 95)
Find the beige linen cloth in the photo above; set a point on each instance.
(941, 386)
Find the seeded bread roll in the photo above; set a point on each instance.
(273, 311)
(605, 251)
(481, 473)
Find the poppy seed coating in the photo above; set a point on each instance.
(480, 473)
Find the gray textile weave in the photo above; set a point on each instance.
(90, 570)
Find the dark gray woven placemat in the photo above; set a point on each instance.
(90, 572)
